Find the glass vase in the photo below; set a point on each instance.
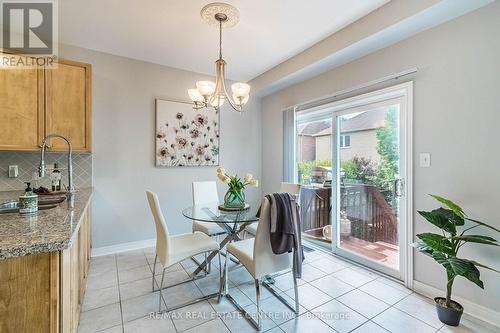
(234, 199)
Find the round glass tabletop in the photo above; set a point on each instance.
(212, 213)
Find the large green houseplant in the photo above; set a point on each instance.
(444, 249)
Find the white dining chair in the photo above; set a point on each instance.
(171, 250)
(204, 193)
(258, 258)
(290, 188)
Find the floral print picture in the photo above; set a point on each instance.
(186, 137)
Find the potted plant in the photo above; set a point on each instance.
(235, 197)
(444, 249)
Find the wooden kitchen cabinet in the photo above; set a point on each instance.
(67, 105)
(74, 269)
(21, 109)
(43, 293)
(35, 103)
(29, 294)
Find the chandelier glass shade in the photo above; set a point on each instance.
(214, 94)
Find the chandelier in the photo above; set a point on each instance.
(213, 94)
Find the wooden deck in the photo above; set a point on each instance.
(384, 253)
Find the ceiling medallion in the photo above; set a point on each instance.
(213, 94)
(209, 12)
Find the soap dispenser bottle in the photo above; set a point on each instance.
(28, 202)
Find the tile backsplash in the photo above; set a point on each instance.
(28, 162)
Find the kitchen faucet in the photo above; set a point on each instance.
(70, 193)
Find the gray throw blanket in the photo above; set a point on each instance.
(285, 228)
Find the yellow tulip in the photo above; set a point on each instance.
(221, 176)
(220, 171)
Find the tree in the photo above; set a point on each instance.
(387, 148)
(360, 169)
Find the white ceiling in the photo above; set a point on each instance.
(172, 33)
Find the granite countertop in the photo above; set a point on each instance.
(47, 231)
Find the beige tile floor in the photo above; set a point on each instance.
(335, 296)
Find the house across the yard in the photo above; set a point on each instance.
(358, 137)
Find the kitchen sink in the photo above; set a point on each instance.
(50, 200)
(10, 207)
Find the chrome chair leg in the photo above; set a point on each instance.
(295, 308)
(154, 271)
(220, 266)
(226, 272)
(161, 288)
(296, 290)
(257, 324)
(220, 279)
(208, 266)
(257, 296)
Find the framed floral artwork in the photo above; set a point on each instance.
(184, 136)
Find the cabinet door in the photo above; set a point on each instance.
(74, 267)
(29, 293)
(21, 109)
(68, 106)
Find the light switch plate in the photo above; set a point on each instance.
(425, 160)
(13, 171)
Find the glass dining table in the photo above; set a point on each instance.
(232, 222)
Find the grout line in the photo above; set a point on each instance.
(369, 318)
(119, 293)
(400, 299)
(119, 299)
(364, 284)
(385, 329)
(411, 315)
(100, 307)
(205, 322)
(392, 306)
(100, 331)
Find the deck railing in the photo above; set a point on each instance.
(372, 218)
(315, 207)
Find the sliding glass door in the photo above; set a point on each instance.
(367, 152)
(351, 158)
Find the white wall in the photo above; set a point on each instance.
(124, 92)
(456, 119)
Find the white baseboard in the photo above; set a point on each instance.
(112, 249)
(475, 310)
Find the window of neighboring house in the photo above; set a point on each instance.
(345, 141)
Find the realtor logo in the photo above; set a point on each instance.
(29, 29)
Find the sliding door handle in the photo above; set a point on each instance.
(399, 187)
